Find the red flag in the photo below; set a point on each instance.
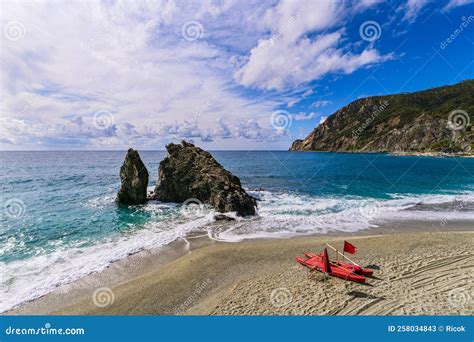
(349, 248)
(326, 267)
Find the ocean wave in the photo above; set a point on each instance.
(280, 214)
(31, 278)
(286, 214)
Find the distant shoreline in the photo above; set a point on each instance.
(433, 154)
(397, 154)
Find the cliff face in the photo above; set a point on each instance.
(433, 120)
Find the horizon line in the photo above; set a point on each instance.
(141, 150)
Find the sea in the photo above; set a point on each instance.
(59, 220)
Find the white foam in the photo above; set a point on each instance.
(102, 201)
(281, 215)
(23, 280)
(290, 214)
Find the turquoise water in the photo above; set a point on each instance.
(59, 220)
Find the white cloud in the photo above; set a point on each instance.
(303, 116)
(251, 129)
(289, 57)
(363, 4)
(130, 59)
(456, 3)
(222, 130)
(322, 120)
(300, 95)
(292, 103)
(412, 8)
(269, 67)
(320, 104)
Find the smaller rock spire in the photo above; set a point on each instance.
(134, 180)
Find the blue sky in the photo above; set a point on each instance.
(224, 74)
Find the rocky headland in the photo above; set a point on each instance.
(436, 121)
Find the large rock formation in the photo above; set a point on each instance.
(190, 172)
(134, 179)
(433, 120)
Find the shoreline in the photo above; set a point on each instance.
(200, 275)
(398, 154)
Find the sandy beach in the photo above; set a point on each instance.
(415, 273)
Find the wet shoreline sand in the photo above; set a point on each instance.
(420, 268)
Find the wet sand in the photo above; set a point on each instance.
(418, 273)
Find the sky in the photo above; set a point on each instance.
(226, 75)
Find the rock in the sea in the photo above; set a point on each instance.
(190, 172)
(134, 180)
(222, 217)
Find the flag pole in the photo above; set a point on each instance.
(334, 249)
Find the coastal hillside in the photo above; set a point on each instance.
(437, 120)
